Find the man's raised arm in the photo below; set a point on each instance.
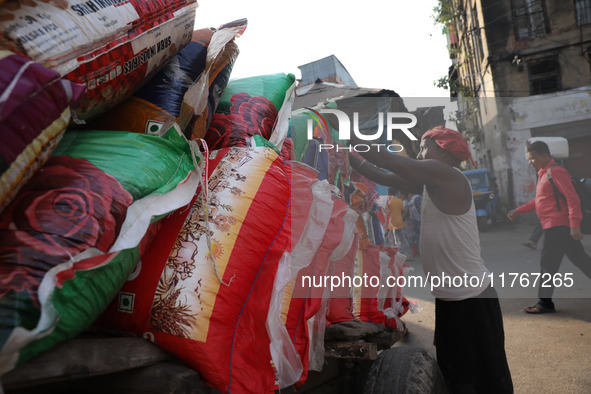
(412, 171)
(386, 178)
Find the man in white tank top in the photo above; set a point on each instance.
(469, 334)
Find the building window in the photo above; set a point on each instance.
(544, 75)
(530, 19)
(583, 10)
(476, 37)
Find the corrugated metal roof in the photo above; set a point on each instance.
(322, 92)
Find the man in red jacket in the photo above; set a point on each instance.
(560, 215)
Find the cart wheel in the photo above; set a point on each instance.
(405, 370)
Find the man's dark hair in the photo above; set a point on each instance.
(539, 147)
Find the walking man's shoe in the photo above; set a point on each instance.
(538, 308)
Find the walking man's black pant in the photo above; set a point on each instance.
(557, 243)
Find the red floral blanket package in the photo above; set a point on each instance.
(112, 47)
(252, 106)
(204, 289)
(34, 112)
(77, 228)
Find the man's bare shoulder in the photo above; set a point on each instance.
(452, 194)
(443, 174)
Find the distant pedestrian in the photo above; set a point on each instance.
(559, 211)
(397, 213)
(414, 214)
(412, 221)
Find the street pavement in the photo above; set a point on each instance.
(548, 353)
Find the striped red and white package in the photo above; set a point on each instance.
(306, 312)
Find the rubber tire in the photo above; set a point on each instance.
(405, 369)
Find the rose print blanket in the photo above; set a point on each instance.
(251, 106)
(76, 230)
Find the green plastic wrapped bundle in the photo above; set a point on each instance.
(252, 106)
(76, 230)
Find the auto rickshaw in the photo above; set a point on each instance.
(486, 197)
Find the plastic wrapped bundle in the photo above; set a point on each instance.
(188, 87)
(76, 230)
(359, 196)
(311, 206)
(340, 307)
(331, 164)
(198, 108)
(308, 298)
(34, 112)
(381, 303)
(252, 106)
(393, 303)
(343, 230)
(365, 299)
(204, 292)
(112, 47)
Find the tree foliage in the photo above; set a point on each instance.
(444, 12)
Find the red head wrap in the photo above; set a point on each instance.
(450, 140)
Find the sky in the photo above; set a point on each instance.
(386, 44)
